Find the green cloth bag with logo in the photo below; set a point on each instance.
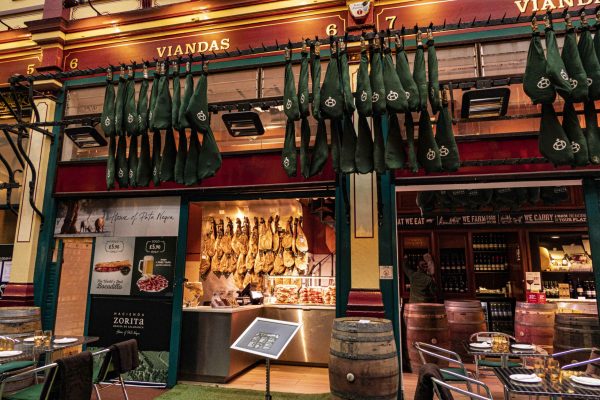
(394, 148)
(303, 97)
(156, 138)
(406, 78)
(553, 141)
(348, 151)
(110, 164)
(304, 144)
(557, 71)
(290, 97)
(167, 159)
(377, 83)
(132, 161)
(345, 74)
(592, 133)
(315, 75)
(144, 170)
(590, 62)
(197, 110)
(161, 118)
(181, 156)
(130, 117)
(209, 157)
(395, 95)
(120, 104)
(363, 94)
(420, 73)
(428, 152)
(107, 120)
(364, 147)
(190, 168)
(335, 126)
(378, 145)
(320, 152)
(426, 201)
(289, 153)
(122, 166)
(574, 67)
(575, 134)
(433, 91)
(536, 82)
(411, 159)
(445, 140)
(169, 151)
(332, 98)
(190, 173)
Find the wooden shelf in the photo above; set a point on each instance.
(567, 272)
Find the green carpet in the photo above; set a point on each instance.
(196, 392)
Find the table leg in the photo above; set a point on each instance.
(506, 394)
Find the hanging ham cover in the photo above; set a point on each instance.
(574, 67)
(557, 71)
(376, 79)
(428, 152)
(394, 148)
(590, 62)
(364, 147)
(575, 134)
(592, 133)
(289, 152)
(536, 81)
(419, 73)
(445, 140)
(348, 151)
(434, 83)
(553, 141)
(107, 120)
(332, 98)
(395, 95)
(406, 78)
(411, 162)
(363, 94)
(144, 170)
(181, 156)
(197, 110)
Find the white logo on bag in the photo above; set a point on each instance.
(107, 121)
(286, 162)
(544, 83)
(575, 147)
(564, 75)
(150, 115)
(430, 154)
(444, 151)
(407, 95)
(559, 145)
(574, 83)
(201, 116)
(302, 98)
(392, 95)
(130, 118)
(130, 173)
(288, 104)
(375, 97)
(154, 172)
(121, 173)
(330, 102)
(589, 81)
(363, 96)
(108, 174)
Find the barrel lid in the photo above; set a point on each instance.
(577, 319)
(357, 324)
(463, 303)
(536, 306)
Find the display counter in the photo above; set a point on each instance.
(585, 306)
(207, 334)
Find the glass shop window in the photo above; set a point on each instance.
(504, 58)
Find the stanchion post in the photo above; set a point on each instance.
(268, 371)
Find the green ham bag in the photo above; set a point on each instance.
(303, 97)
(332, 98)
(188, 91)
(197, 110)
(144, 170)
(110, 165)
(190, 173)
(289, 153)
(167, 159)
(426, 201)
(574, 67)
(176, 102)
(575, 134)
(553, 141)
(315, 74)
(130, 117)
(120, 103)
(445, 140)
(536, 81)
(348, 151)
(406, 78)
(590, 62)
(592, 132)
(394, 148)
(320, 151)
(142, 104)
(557, 71)
(304, 143)
(153, 96)
(411, 162)
(121, 162)
(420, 73)
(364, 93)
(181, 156)
(364, 147)
(378, 146)
(209, 157)
(107, 120)
(162, 108)
(433, 88)
(428, 152)
(335, 127)
(345, 73)
(395, 95)
(132, 161)
(156, 138)
(169, 151)
(377, 83)
(290, 97)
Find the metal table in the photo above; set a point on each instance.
(505, 355)
(554, 390)
(31, 352)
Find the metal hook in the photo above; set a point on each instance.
(502, 20)
(251, 49)
(444, 26)
(490, 18)
(459, 21)
(473, 23)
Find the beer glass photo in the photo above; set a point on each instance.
(146, 266)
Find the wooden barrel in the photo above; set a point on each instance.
(534, 323)
(465, 317)
(426, 322)
(363, 363)
(572, 331)
(19, 321)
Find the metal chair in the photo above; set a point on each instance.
(33, 392)
(437, 384)
(107, 375)
(485, 363)
(576, 364)
(459, 374)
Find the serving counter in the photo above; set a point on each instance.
(207, 334)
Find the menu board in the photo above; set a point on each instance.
(266, 337)
(142, 266)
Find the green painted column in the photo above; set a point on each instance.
(591, 191)
(342, 253)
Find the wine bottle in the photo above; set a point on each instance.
(579, 289)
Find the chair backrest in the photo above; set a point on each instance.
(105, 365)
(479, 336)
(437, 352)
(48, 383)
(437, 384)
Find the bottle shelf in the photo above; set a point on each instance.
(489, 250)
(493, 272)
(567, 272)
